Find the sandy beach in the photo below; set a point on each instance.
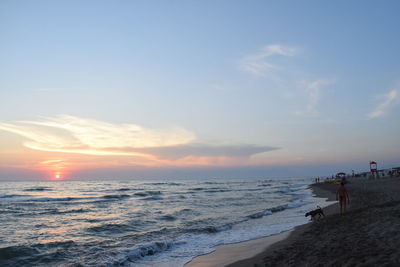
(367, 235)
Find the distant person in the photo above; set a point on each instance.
(342, 196)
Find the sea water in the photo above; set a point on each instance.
(142, 223)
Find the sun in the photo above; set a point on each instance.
(57, 176)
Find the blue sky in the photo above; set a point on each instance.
(199, 85)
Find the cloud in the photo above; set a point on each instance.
(70, 134)
(200, 150)
(382, 108)
(259, 64)
(86, 136)
(56, 164)
(313, 90)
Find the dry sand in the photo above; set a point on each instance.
(367, 235)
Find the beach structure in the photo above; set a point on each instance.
(373, 166)
(341, 175)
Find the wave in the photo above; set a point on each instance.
(139, 252)
(168, 217)
(12, 195)
(197, 188)
(213, 183)
(260, 214)
(185, 211)
(163, 183)
(210, 189)
(9, 253)
(152, 198)
(115, 196)
(280, 191)
(124, 189)
(264, 185)
(110, 227)
(56, 244)
(208, 226)
(48, 199)
(39, 188)
(154, 192)
(25, 255)
(295, 204)
(249, 189)
(71, 199)
(265, 180)
(147, 193)
(221, 189)
(218, 190)
(176, 184)
(280, 208)
(215, 229)
(56, 211)
(141, 194)
(267, 212)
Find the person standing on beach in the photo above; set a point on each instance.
(342, 196)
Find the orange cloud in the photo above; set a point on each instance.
(66, 142)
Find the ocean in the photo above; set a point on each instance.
(142, 223)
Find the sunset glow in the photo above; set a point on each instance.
(200, 91)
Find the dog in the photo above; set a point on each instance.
(316, 212)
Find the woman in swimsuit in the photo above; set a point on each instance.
(342, 196)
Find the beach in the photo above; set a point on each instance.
(367, 235)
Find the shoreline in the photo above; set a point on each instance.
(257, 260)
(246, 253)
(231, 253)
(366, 235)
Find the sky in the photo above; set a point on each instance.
(197, 89)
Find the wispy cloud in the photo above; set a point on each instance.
(86, 136)
(203, 150)
(70, 134)
(260, 64)
(313, 90)
(381, 109)
(56, 164)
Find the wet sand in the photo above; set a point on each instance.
(227, 254)
(367, 235)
